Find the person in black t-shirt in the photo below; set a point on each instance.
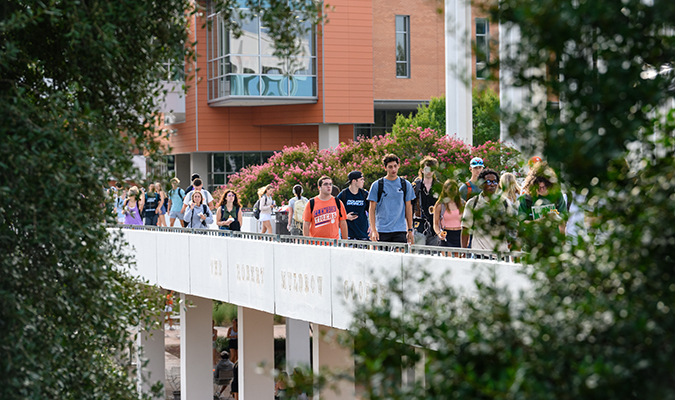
(354, 197)
(423, 220)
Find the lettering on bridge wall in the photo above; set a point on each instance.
(302, 283)
(216, 267)
(250, 273)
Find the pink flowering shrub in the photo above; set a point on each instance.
(306, 164)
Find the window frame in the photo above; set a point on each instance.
(482, 59)
(406, 32)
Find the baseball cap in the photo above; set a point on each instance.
(476, 162)
(534, 160)
(354, 175)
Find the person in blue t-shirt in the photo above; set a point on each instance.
(390, 212)
(355, 199)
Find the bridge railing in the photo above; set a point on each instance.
(437, 251)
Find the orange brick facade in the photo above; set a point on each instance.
(427, 51)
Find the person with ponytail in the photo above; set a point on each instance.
(296, 207)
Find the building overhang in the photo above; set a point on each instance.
(258, 101)
(399, 104)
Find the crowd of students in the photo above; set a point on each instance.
(398, 211)
(393, 210)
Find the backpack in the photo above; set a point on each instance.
(380, 188)
(178, 190)
(256, 209)
(311, 205)
(299, 209)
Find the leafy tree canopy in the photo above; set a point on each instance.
(79, 82)
(597, 321)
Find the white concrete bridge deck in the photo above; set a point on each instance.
(305, 280)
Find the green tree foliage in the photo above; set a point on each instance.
(76, 100)
(485, 114)
(428, 116)
(597, 321)
(485, 111)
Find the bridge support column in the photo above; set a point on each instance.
(150, 357)
(196, 355)
(327, 352)
(297, 344)
(256, 349)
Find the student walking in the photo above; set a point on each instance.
(390, 209)
(266, 205)
(423, 220)
(355, 199)
(486, 230)
(133, 206)
(325, 216)
(151, 208)
(176, 196)
(198, 214)
(448, 215)
(229, 216)
(472, 187)
(296, 209)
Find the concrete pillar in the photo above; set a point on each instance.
(458, 70)
(297, 344)
(199, 164)
(256, 354)
(327, 352)
(511, 98)
(182, 166)
(150, 357)
(196, 354)
(415, 375)
(329, 136)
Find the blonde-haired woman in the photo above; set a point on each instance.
(448, 215)
(133, 206)
(266, 204)
(161, 221)
(509, 187)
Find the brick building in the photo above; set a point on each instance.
(372, 60)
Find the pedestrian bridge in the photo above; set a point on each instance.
(307, 280)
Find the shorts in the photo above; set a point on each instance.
(168, 309)
(393, 237)
(151, 218)
(174, 214)
(265, 217)
(233, 344)
(452, 239)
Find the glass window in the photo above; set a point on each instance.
(234, 162)
(219, 162)
(482, 48)
(246, 66)
(403, 46)
(251, 159)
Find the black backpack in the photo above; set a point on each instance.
(311, 205)
(380, 188)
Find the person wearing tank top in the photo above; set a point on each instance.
(448, 215)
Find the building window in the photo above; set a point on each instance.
(222, 165)
(403, 46)
(384, 121)
(246, 67)
(482, 48)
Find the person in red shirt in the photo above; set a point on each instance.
(325, 216)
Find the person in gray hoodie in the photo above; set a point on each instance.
(197, 214)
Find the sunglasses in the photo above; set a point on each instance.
(489, 182)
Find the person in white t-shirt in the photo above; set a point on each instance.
(198, 186)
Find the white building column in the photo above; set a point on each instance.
(199, 164)
(196, 354)
(297, 344)
(458, 70)
(329, 136)
(511, 98)
(327, 352)
(150, 357)
(256, 350)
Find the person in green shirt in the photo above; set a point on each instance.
(542, 196)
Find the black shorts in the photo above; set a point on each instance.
(233, 344)
(393, 237)
(452, 239)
